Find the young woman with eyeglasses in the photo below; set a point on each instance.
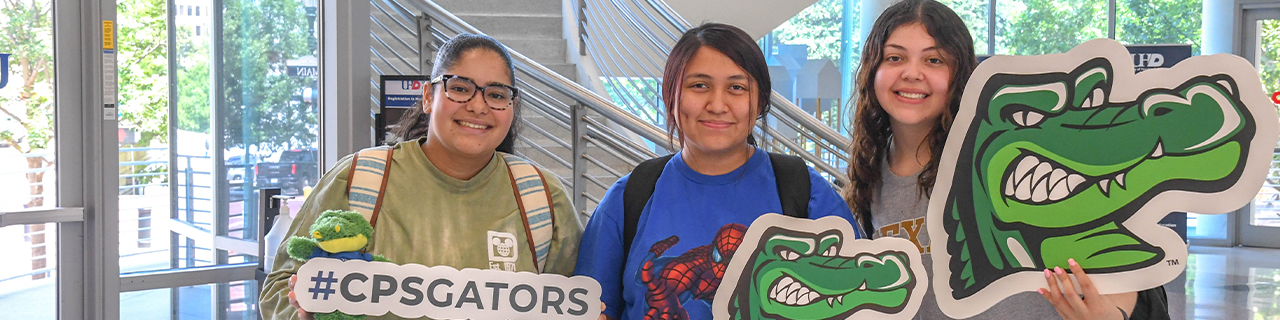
(445, 191)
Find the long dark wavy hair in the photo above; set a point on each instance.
(871, 131)
(732, 42)
(413, 124)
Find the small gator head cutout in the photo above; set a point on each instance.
(790, 268)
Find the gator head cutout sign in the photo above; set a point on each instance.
(789, 268)
(1074, 156)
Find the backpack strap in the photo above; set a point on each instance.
(636, 195)
(535, 206)
(792, 177)
(368, 175)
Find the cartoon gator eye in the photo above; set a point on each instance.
(316, 235)
(1027, 118)
(337, 228)
(788, 255)
(831, 252)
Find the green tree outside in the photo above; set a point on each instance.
(1160, 22)
(258, 37)
(1034, 27)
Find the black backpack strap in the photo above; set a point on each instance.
(636, 195)
(792, 176)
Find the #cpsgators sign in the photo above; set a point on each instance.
(358, 287)
(1075, 156)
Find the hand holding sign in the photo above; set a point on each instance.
(360, 287)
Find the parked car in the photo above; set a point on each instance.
(235, 177)
(294, 170)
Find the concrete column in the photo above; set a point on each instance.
(847, 39)
(1215, 29)
(344, 80)
(871, 10)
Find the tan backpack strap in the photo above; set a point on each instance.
(535, 206)
(370, 169)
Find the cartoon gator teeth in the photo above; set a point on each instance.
(807, 278)
(790, 292)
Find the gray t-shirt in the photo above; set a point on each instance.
(898, 210)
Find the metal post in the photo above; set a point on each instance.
(582, 27)
(578, 115)
(991, 28)
(426, 54)
(1111, 19)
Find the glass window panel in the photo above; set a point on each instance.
(1266, 205)
(28, 283)
(974, 14)
(212, 301)
(266, 131)
(142, 59)
(27, 159)
(817, 27)
(811, 41)
(26, 106)
(1160, 22)
(1032, 27)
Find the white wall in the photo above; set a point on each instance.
(756, 17)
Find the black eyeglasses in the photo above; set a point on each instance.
(462, 89)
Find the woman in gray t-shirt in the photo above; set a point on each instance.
(915, 62)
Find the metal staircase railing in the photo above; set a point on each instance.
(566, 128)
(629, 40)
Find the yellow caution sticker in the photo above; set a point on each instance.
(108, 34)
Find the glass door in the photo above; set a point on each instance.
(28, 159)
(217, 102)
(1260, 221)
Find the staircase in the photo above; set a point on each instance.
(532, 27)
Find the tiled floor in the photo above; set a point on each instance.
(1227, 283)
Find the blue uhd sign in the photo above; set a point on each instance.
(4, 70)
(402, 93)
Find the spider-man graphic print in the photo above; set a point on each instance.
(684, 238)
(693, 275)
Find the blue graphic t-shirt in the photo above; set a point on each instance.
(686, 234)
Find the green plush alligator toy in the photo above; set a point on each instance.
(335, 235)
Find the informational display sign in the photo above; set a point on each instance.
(1076, 156)
(402, 91)
(790, 268)
(397, 95)
(358, 287)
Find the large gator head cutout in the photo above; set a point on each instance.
(790, 268)
(1074, 156)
